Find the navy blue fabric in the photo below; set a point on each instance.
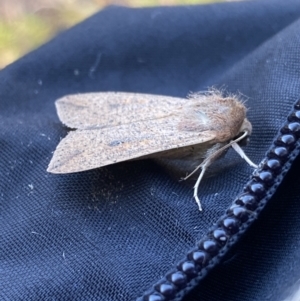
(108, 234)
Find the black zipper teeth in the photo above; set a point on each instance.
(244, 210)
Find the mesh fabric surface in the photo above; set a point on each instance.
(108, 234)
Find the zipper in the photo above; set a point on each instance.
(245, 209)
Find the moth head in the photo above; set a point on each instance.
(245, 130)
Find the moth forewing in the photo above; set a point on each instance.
(114, 127)
(109, 109)
(96, 147)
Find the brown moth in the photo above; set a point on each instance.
(113, 127)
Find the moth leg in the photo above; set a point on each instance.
(203, 166)
(190, 174)
(215, 154)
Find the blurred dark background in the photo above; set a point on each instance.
(26, 24)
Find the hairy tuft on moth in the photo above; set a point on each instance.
(114, 126)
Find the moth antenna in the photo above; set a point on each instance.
(240, 151)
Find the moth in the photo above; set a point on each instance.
(112, 127)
